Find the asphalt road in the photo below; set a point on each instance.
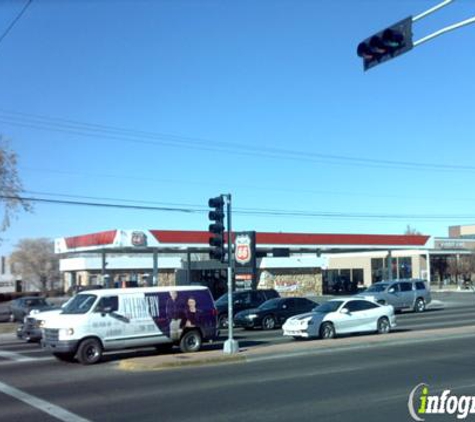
(358, 383)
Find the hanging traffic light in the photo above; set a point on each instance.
(216, 229)
(386, 44)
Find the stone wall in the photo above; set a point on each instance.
(292, 282)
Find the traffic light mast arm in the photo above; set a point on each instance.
(444, 30)
(432, 10)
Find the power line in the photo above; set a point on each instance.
(14, 21)
(254, 187)
(40, 122)
(253, 212)
(97, 204)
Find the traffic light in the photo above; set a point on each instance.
(216, 229)
(386, 44)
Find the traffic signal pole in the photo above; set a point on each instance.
(218, 251)
(231, 346)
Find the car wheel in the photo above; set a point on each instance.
(268, 322)
(420, 305)
(327, 330)
(89, 351)
(223, 321)
(190, 341)
(64, 357)
(383, 325)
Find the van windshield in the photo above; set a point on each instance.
(79, 304)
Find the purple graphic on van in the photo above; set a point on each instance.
(183, 310)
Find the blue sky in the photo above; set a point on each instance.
(265, 100)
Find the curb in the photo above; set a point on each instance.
(289, 350)
(178, 361)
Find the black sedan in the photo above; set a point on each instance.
(273, 313)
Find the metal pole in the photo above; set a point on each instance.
(155, 268)
(444, 30)
(188, 266)
(390, 265)
(105, 279)
(231, 346)
(432, 10)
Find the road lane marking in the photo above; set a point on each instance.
(46, 407)
(17, 357)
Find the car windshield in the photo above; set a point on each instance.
(79, 304)
(376, 288)
(270, 304)
(330, 306)
(222, 300)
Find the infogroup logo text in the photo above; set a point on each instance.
(421, 403)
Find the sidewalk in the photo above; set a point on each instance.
(294, 348)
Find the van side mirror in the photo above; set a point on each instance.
(105, 310)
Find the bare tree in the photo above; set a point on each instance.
(36, 262)
(10, 185)
(410, 231)
(462, 267)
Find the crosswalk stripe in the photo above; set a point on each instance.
(46, 407)
(17, 357)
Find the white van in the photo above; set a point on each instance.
(110, 319)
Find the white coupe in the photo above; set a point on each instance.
(341, 316)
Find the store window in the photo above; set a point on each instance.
(405, 267)
(377, 269)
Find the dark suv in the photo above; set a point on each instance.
(246, 299)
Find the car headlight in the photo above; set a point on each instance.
(307, 321)
(41, 323)
(252, 316)
(66, 332)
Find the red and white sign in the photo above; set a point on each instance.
(243, 252)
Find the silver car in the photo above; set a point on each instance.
(401, 294)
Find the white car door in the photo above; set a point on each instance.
(373, 313)
(353, 317)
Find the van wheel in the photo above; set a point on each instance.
(327, 330)
(383, 325)
(190, 341)
(268, 323)
(420, 305)
(89, 351)
(64, 357)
